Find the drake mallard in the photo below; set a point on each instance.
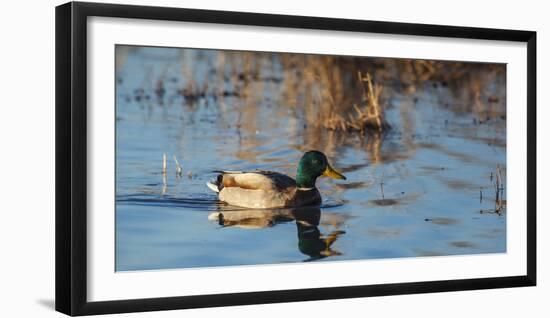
(268, 189)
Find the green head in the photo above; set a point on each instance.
(312, 165)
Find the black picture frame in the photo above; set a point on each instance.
(71, 157)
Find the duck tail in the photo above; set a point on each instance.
(215, 185)
(212, 186)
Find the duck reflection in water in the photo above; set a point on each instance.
(311, 241)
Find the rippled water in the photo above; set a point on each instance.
(422, 189)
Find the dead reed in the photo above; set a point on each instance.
(498, 186)
(164, 164)
(368, 117)
(179, 169)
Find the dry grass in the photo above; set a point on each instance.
(163, 163)
(497, 181)
(368, 117)
(498, 186)
(179, 169)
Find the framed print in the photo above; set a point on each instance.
(208, 158)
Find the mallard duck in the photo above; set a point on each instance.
(268, 189)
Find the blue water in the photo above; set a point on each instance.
(414, 191)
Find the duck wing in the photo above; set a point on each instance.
(254, 189)
(255, 180)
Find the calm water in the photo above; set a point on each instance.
(414, 191)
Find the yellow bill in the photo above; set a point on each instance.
(330, 172)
